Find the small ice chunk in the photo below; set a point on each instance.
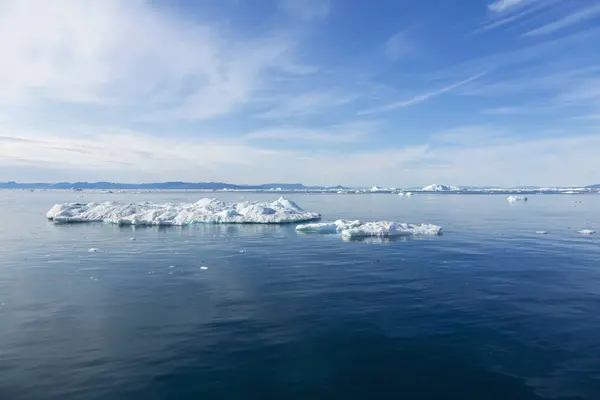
(409, 193)
(132, 238)
(541, 232)
(514, 199)
(171, 266)
(93, 250)
(203, 267)
(586, 232)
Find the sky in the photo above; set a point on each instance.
(395, 93)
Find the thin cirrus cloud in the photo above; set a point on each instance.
(504, 5)
(574, 18)
(399, 45)
(421, 97)
(304, 104)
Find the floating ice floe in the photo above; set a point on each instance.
(329, 227)
(205, 210)
(541, 232)
(514, 199)
(93, 250)
(586, 232)
(382, 229)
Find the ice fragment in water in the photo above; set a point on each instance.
(541, 232)
(587, 232)
(514, 199)
(93, 250)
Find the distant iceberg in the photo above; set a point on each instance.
(514, 199)
(440, 188)
(381, 229)
(205, 210)
(586, 232)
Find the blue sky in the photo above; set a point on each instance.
(354, 92)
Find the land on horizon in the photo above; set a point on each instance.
(230, 186)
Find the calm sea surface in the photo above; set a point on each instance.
(489, 310)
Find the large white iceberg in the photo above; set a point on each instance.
(439, 188)
(381, 229)
(203, 211)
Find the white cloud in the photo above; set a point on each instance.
(567, 21)
(306, 9)
(467, 155)
(398, 45)
(503, 5)
(343, 133)
(420, 98)
(128, 53)
(306, 104)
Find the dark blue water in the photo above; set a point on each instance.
(488, 311)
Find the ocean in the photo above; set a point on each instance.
(489, 310)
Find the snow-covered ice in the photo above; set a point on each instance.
(514, 199)
(408, 194)
(329, 227)
(439, 188)
(203, 211)
(586, 232)
(391, 229)
(358, 229)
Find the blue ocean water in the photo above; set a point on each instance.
(489, 310)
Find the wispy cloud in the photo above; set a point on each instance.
(306, 9)
(421, 98)
(503, 5)
(503, 13)
(399, 45)
(351, 132)
(304, 104)
(304, 135)
(74, 52)
(567, 21)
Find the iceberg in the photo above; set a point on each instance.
(586, 232)
(440, 188)
(514, 199)
(205, 210)
(381, 229)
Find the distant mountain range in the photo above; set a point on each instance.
(161, 185)
(220, 186)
